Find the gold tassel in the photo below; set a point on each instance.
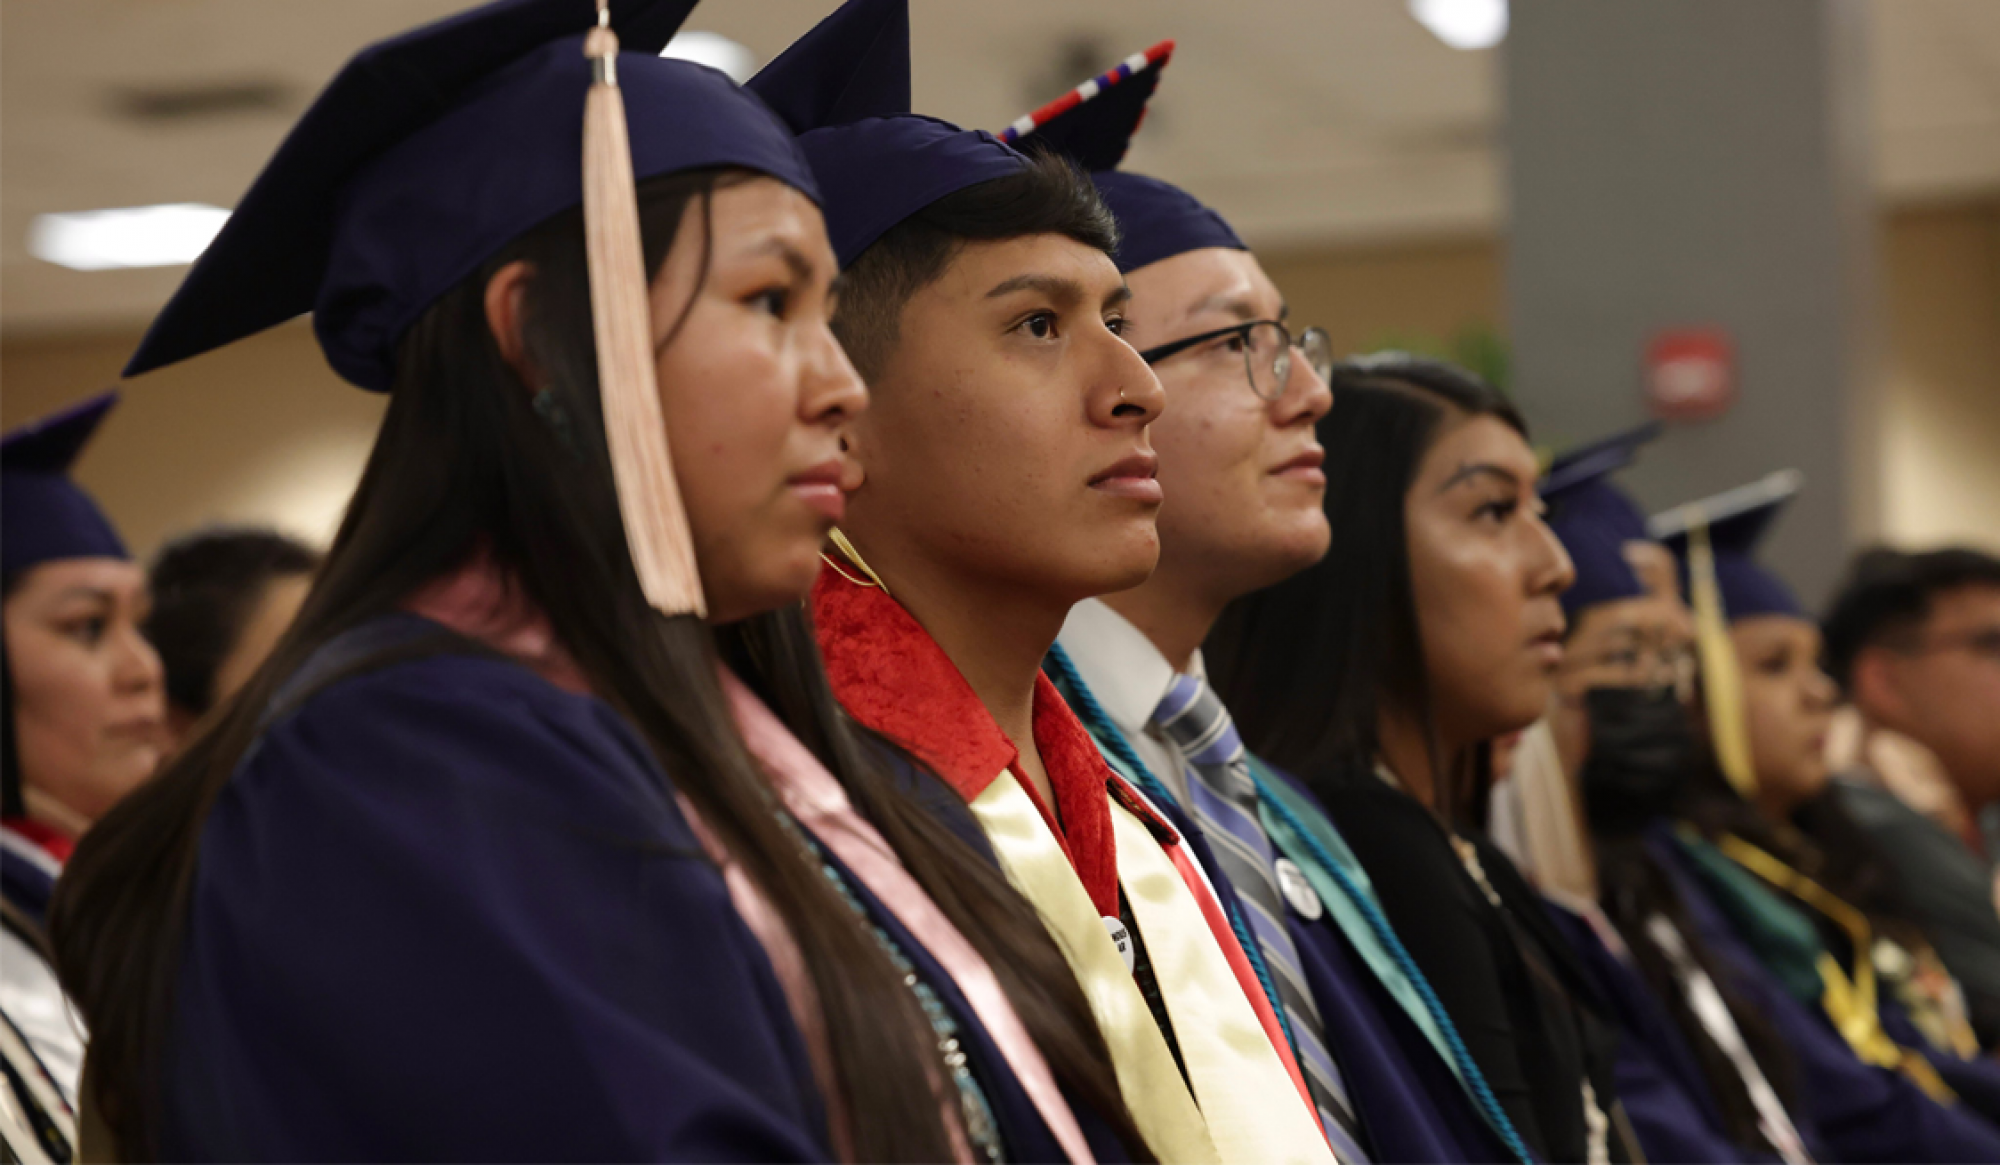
(642, 466)
(1721, 676)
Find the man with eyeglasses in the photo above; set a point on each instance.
(1241, 469)
(1914, 641)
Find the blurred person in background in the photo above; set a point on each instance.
(222, 598)
(84, 724)
(1378, 676)
(1914, 642)
(1786, 873)
(87, 693)
(1241, 467)
(1702, 1074)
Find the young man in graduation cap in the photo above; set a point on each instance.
(1007, 474)
(1241, 468)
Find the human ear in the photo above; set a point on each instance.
(506, 307)
(1874, 686)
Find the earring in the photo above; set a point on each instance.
(556, 417)
(852, 555)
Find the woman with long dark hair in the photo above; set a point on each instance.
(504, 852)
(1378, 676)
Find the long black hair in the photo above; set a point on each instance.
(13, 802)
(466, 464)
(1309, 666)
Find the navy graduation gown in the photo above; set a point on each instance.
(1860, 1112)
(1411, 1104)
(447, 910)
(27, 879)
(1412, 1107)
(1666, 1095)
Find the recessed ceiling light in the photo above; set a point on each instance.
(132, 236)
(714, 50)
(1463, 24)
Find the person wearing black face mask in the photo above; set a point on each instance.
(1619, 750)
(1642, 750)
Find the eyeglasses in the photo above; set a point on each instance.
(1267, 353)
(1983, 642)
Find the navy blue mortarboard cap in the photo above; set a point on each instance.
(1093, 125)
(44, 516)
(430, 152)
(1595, 519)
(1737, 521)
(844, 88)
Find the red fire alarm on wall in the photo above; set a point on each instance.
(1690, 374)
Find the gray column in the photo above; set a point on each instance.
(1701, 162)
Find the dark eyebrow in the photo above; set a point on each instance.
(1118, 297)
(1235, 303)
(1481, 469)
(794, 258)
(98, 594)
(1053, 286)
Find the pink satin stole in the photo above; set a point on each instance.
(477, 603)
(821, 805)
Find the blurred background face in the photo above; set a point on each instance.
(1242, 474)
(1943, 687)
(1007, 443)
(1789, 705)
(89, 702)
(754, 387)
(1485, 572)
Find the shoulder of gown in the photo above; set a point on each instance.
(1410, 1102)
(1666, 1096)
(445, 909)
(1859, 1112)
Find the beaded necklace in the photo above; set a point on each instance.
(982, 1128)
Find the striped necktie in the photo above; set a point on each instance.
(1224, 800)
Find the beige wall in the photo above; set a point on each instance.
(264, 432)
(261, 431)
(1941, 406)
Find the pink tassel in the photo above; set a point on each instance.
(649, 496)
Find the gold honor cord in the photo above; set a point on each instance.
(1721, 676)
(1850, 1003)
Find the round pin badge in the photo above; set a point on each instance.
(1121, 937)
(1298, 891)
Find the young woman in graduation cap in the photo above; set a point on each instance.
(82, 731)
(507, 852)
(1780, 868)
(85, 724)
(1377, 677)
